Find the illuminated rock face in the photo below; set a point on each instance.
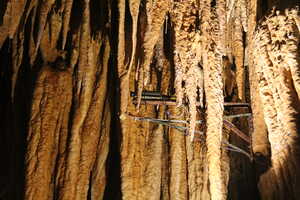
(70, 129)
(276, 60)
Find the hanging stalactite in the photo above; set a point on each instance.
(187, 57)
(275, 56)
(214, 97)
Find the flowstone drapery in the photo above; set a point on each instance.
(149, 99)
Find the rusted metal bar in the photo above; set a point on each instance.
(230, 126)
(173, 103)
(237, 115)
(234, 148)
(156, 98)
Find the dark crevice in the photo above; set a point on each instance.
(113, 164)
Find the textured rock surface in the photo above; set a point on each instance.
(69, 128)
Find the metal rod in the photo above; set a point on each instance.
(237, 149)
(173, 103)
(237, 115)
(230, 126)
(156, 98)
(183, 129)
(166, 122)
(163, 120)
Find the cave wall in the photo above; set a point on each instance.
(71, 130)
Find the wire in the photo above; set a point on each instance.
(229, 147)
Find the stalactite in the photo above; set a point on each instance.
(165, 174)
(285, 59)
(66, 21)
(134, 10)
(121, 55)
(238, 52)
(214, 97)
(243, 13)
(276, 61)
(153, 168)
(99, 170)
(4, 28)
(154, 152)
(55, 26)
(206, 184)
(48, 44)
(163, 65)
(230, 5)
(15, 14)
(75, 49)
(82, 99)
(260, 141)
(221, 12)
(17, 56)
(275, 51)
(138, 144)
(225, 162)
(195, 160)
(131, 130)
(269, 100)
(43, 13)
(17, 8)
(127, 159)
(179, 77)
(32, 43)
(193, 190)
(99, 173)
(270, 118)
(266, 96)
(292, 53)
(214, 126)
(178, 169)
(187, 58)
(156, 15)
(91, 126)
(194, 76)
(32, 5)
(51, 104)
(140, 85)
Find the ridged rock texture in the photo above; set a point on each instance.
(74, 123)
(276, 61)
